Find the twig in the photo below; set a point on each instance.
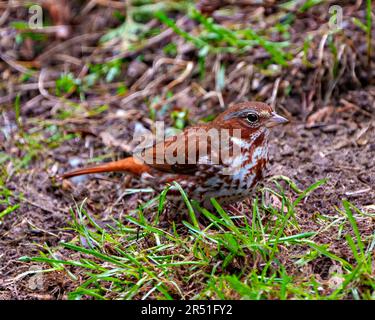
(17, 66)
(150, 43)
(4, 16)
(60, 47)
(37, 205)
(274, 93)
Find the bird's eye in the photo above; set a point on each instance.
(252, 117)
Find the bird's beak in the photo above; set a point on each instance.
(275, 120)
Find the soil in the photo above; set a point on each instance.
(337, 144)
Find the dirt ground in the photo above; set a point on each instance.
(333, 140)
(331, 151)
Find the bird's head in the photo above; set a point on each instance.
(249, 117)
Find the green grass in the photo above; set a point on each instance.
(7, 205)
(9, 210)
(263, 252)
(208, 37)
(216, 255)
(215, 38)
(367, 28)
(35, 143)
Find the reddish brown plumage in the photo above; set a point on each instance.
(125, 165)
(228, 171)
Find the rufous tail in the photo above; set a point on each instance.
(125, 165)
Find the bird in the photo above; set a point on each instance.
(223, 159)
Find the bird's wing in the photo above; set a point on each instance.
(184, 153)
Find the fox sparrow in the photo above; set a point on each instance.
(224, 159)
